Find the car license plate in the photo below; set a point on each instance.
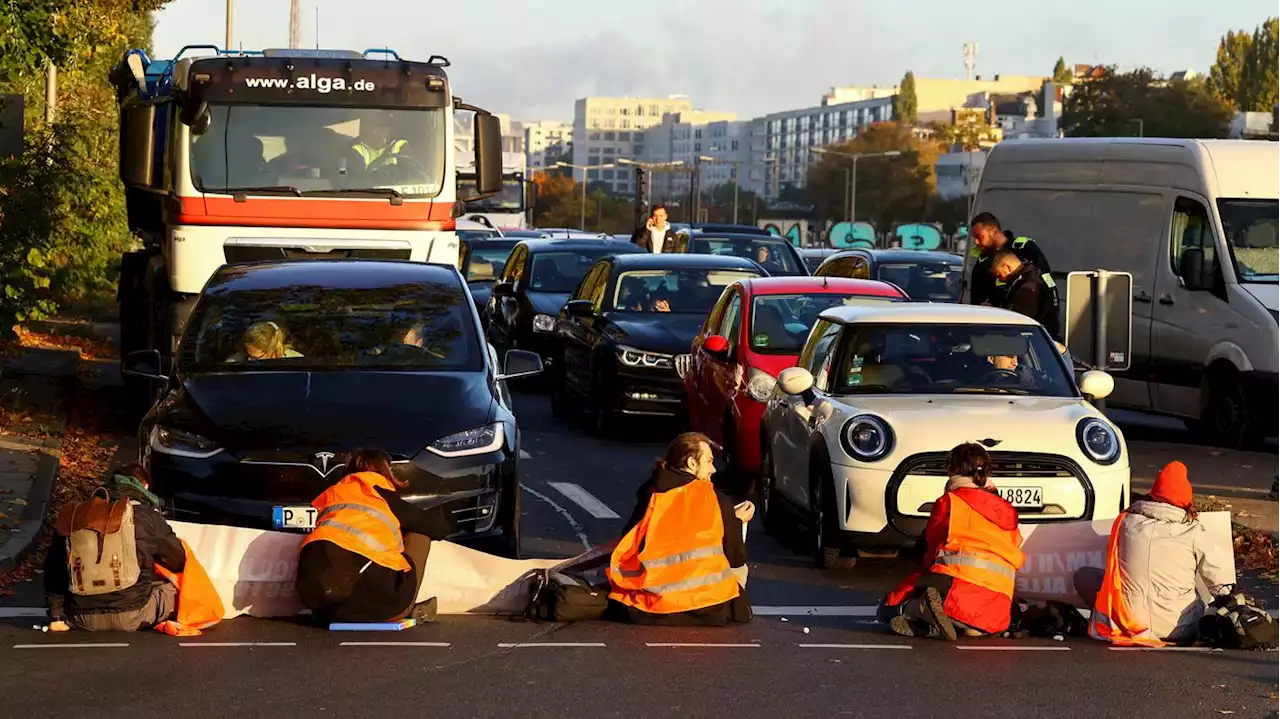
(1023, 497)
(297, 517)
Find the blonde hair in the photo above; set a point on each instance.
(267, 337)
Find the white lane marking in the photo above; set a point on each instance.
(393, 644)
(1164, 649)
(573, 523)
(1016, 649)
(584, 499)
(9, 612)
(768, 611)
(855, 646)
(699, 644)
(526, 645)
(525, 455)
(67, 646)
(237, 644)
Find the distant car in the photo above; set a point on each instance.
(856, 435)
(379, 354)
(566, 233)
(925, 276)
(624, 336)
(754, 332)
(481, 260)
(776, 255)
(725, 227)
(813, 257)
(535, 283)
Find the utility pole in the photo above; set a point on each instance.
(693, 189)
(295, 24)
(50, 92)
(735, 192)
(230, 15)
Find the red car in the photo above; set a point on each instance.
(753, 332)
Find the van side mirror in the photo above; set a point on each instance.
(145, 364)
(580, 308)
(1191, 268)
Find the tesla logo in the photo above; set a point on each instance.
(323, 459)
(988, 442)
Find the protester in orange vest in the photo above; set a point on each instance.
(199, 606)
(364, 560)
(675, 564)
(1147, 595)
(971, 560)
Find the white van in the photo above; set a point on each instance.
(1195, 222)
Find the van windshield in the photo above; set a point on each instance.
(1251, 230)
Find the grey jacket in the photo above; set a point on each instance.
(1161, 555)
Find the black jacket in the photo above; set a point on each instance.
(669, 240)
(1027, 294)
(330, 582)
(735, 550)
(156, 544)
(984, 288)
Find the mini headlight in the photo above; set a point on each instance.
(1098, 440)
(632, 357)
(178, 443)
(760, 385)
(544, 323)
(480, 440)
(867, 438)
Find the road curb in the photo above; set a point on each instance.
(20, 544)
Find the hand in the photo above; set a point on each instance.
(59, 626)
(745, 511)
(661, 306)
(648, 224)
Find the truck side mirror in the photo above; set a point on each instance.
(488, 143)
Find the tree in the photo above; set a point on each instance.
(1258, 84)
(1114, 104)
(1061, 73)
(905, 105)
(967, 133)
(1226, 74)
(889, 189)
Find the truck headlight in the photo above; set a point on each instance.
(760, 385)
(867, 438)
(1098, 440)
(480, 440)
(178, 443)
(544, 323)
(632, 357)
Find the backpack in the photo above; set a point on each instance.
(1235, 621)
(1050, 619)
(102, 552)
(559, 597)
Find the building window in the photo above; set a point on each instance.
(593, 136)
(593, 175)
(612, 111)
(626, 123)
(639, 150)
(607, 174)
(624, 136)
(697, 134)
(733, 146)
(609, 137)
(697, 147)
(624, 111)
(609, 150)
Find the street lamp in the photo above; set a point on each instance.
(853, 176)
(648, 168)
(735, 164)
(582, 220)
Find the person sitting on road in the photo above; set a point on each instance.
(1147, 593)
(682, 557)
(973, 551)
(72, 585)
(263, 341)
(364, 560)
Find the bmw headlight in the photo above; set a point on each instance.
(632, 357)
(760, 385)
(1098, 440)
(480, 440)
(867, 438)
(178, 443)
(544, 323)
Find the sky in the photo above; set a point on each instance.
(532, 58)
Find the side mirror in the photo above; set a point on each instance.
(1096, 385)
(145, 364)
(795, 380)
(1191, 268)
(488, 143)
(580, 308)
(504, 289)
(520, 363)
(717, 347)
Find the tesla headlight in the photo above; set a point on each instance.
(167, 440)
(480, 440)
(760, 385)
(544, 323)
(867, 438)
(632, 357)
(1098, 440)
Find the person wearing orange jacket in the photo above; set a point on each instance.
(973, 552)
(682, 555)
(364, 560)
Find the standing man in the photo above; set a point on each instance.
(656, 236)
(989, 238)
(1025, 290)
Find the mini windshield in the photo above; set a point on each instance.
(949, 359)
(419, 326)
(925, 281)
(771, 253)
(484, 264)
(320, 150)
(1250, 227)
(682, 291)
(780, 324)
(561, 271)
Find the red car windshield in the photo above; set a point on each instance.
(780, 324)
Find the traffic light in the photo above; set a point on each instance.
(642, 196)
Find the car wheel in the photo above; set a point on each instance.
(769, 506)
(604, 420)
(732, 481)
(1226, 419)
(824, 555)
(511, 529)
(559, 402)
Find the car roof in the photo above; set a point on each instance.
(493, 241)
(900, 255)
(551, 244)
(925, 313)
(817, 251)
(338, 274)
(711, 227)
(816, 285)
(680, 260)
(739, 236)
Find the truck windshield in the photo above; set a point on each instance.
(510, 199)
(319, 150)
(1250, 227)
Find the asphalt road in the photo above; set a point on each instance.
(579, 491)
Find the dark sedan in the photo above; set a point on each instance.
(481, 260)
(924, 276)
(284, 367)
(625, 335)
(536, 282)
(775, 254)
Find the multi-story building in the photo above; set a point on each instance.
(513, 155)
(546, 139)
(686, 136)
(781, 143)
(608, 128)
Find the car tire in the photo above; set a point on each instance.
(508, 545)
(824, 555)
(604, 421)
(732, 481)
(769, 501)
(559, 402)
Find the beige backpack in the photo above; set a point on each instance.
(102, 552)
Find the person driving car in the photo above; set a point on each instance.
(263, 341)
(634, 296)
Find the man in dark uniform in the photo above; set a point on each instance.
(989, 238)
(1025, 291)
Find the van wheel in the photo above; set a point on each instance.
(1226, 420)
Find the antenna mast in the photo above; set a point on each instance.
(970, 59)
(295, 24)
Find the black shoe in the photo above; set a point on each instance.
(425, 612)
(940, 620)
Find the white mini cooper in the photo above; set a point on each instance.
(855, 437)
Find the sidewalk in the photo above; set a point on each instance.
(35, 388)
(1237, 479)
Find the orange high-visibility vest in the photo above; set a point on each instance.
(673, 559)
(1112, 621)
(978, 551)
(199, 606)
(355, 517)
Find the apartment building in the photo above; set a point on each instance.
(513, 153)
(782, 142)
(608, 128)
(686, 136)
(546, 139)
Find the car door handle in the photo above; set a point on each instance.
(1142, 297)
(1166, 299)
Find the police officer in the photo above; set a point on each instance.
(1025, 291)
(988, 238)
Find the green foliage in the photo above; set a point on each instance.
(889, 189)
(1244, 73)
(1112, 104)
(1225, 75)
(905, 104)
(1061, 73)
